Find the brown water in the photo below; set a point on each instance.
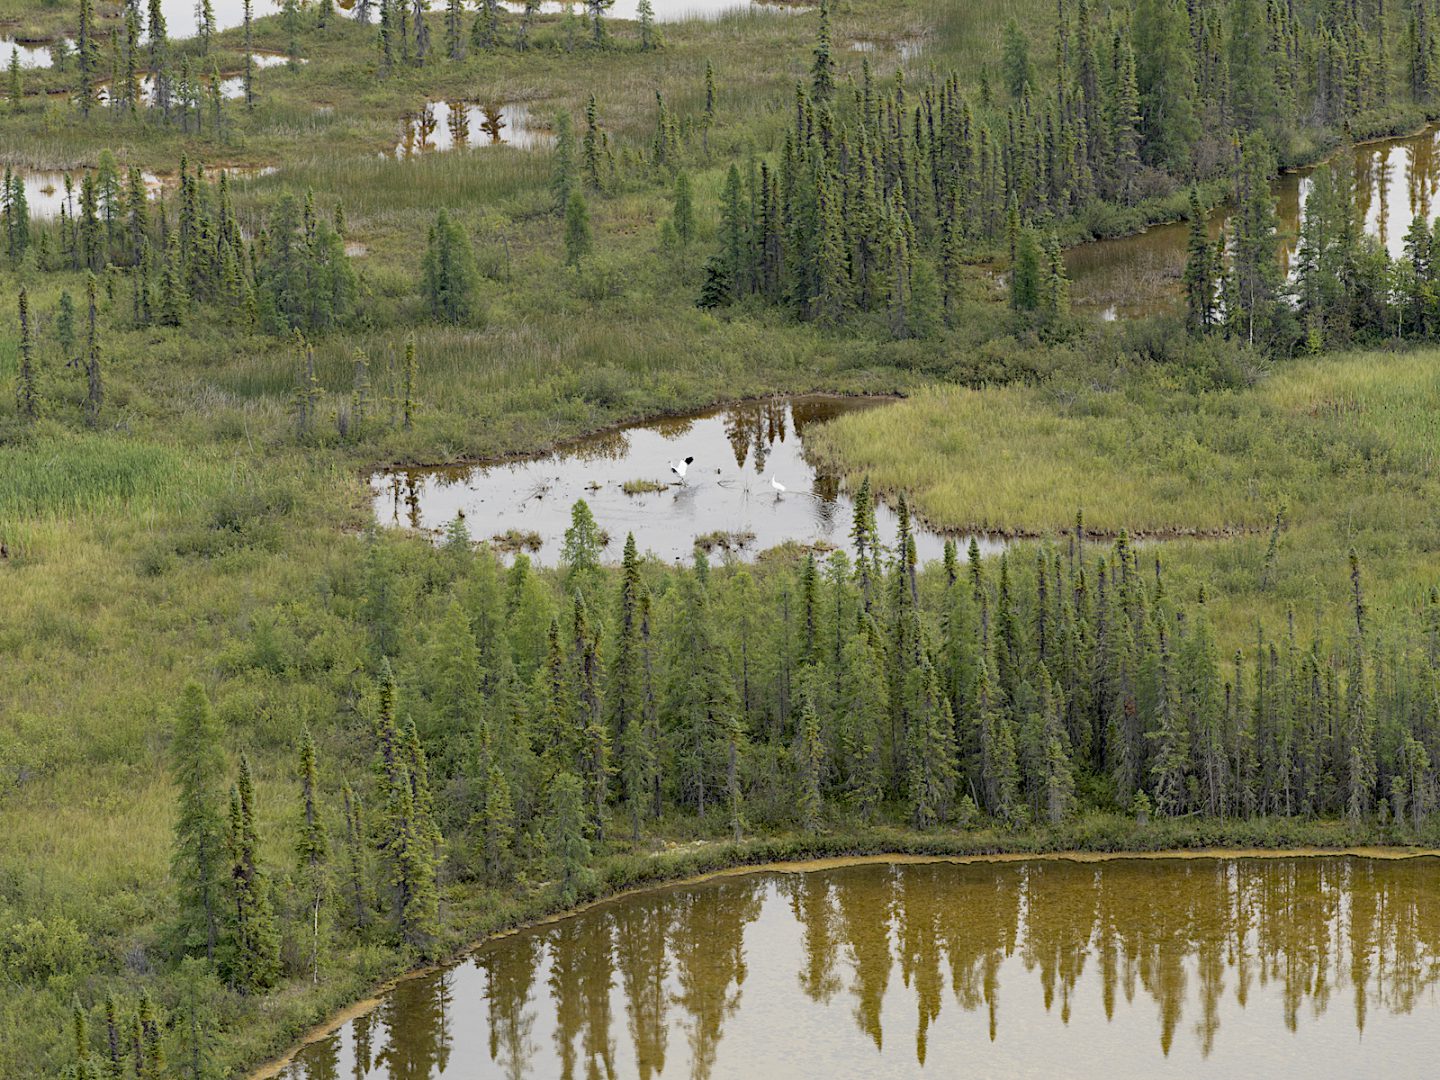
(1287, 967)
(1395, 181)
(738, 450)
(460, 125)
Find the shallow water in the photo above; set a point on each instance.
(1289, 967)
(45, 190)
(180, 19)
(665, 10)
(459, 125)
(1395, 181)
(737, 449)
(33, 54)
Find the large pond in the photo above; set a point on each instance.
(727, 499)
(1289, 967)
(1395, 181)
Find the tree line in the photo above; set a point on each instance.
(519, 723)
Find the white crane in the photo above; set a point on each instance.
(779, 487)
(679, 468)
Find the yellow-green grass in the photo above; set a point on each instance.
(1349, 444)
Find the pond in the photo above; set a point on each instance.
(1308, 967)
(459, 125)
(45, 190)
(665, 10)
(180, 21)
(32, 54)
(727, 499)
(1395, 181)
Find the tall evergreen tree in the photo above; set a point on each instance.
(198, 864)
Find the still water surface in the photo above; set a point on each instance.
(1395, 182)
(738, 450)
(1289, 967)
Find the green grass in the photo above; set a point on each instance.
(1349, 444)
(192, 538)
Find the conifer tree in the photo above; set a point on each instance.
(1026, 282)
(357, 858)
(683, 216)
(27, 388)
(1199, 279)
(562, 175)
(930, 782)
(87, 57)
(198, 863)
(253, 956)
(248, 81)
(454, 31)
(449, 278)
(596, 10)
(313, 851)
(565, 828)
(809, 753)
(592, 148)
(1165, 78)
(1254, 269)
(495, 824)
(645, 13)
(1015, 66)
(15, 88)
(822, 69)
(95, 392)
(577, 230)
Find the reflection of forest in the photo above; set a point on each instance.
(1195, 937)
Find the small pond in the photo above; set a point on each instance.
(727, 494)
(665, 10)
(459, 125)
(1306, 968)
(33, 54)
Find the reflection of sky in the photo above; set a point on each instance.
(737, 451)
(32, 55)
(1395, 182)
(45, 191)
(665, 10)
(445, 125)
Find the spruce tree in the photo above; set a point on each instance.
(1199, 279)
(449, 278)
(596, 10)
(645, 13)
(1015, 66)
(27, 389)
(411, 375)
(683, 216)
(577, 230)
(313, 853)
(253, 957)
(95, 392)
(822, 68)
(1254, 268)
(198, 864)
(565, 831)
(15, 88)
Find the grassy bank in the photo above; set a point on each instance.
(1347, 445)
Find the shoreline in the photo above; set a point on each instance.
(820, 864)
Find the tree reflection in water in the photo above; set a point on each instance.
(1211, 956)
